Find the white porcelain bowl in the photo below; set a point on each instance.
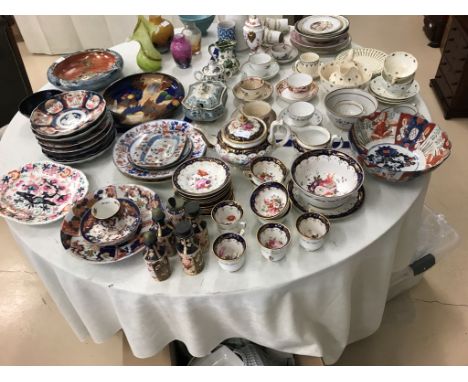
(345, 106)
(326, 71)
(326, 178)
(399, 67)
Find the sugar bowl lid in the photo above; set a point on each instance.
(206, 95)
(245, 130)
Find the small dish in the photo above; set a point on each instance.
(249, 71)
(229, 249)
(270, 201)
(114, 230)
(274, 239)
(105, 208)
(263, 93)
(267, 169)
(285, 94)
(312, 229)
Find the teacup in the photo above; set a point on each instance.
(273, 37)
(308, 63)
(228, 217)
(267, 169)
(270, 201)
(300, 112)
(251, 86)
(259, 109)
(299, 83)
(399, 68)
(274, 239)
(229, 249)
(313, 138)
(281, 25)
(312, 228)
(261, 63)
(227, 30)
(281, 51)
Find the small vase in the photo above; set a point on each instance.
(163, 34)
(181, 51)
(193, 34)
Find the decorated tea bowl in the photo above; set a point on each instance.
(398, 147)
(345, 106)
(313, 229)
(274, 239)
(266, 169)
(270, 201)
(399, 68)
(326, 178)
(228, 216)
(229, 249)
(29, 103)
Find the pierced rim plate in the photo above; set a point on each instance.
(372, 58)
(352, 205)
(40, 192)
(77, 246)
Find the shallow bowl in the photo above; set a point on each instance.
(270, 201)
(326, 70)
(29, 103)
(201, 21)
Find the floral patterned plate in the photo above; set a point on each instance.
(201, 177)
(114, 230)
(122, 148)
(67, 113)
(41, 192)
(74, 242)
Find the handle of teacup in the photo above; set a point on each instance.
(276, 125)
(243, 224)
(211, 47)
(336, 138)
(248, 174)
(198, 75)
(295, 66)
(205, 138)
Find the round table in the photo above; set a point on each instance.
(309, 303)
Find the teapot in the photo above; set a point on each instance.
(246, 138)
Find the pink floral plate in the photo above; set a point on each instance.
(75, 244)
(41, 192)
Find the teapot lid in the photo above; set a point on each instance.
(245, 129)
(206, 95)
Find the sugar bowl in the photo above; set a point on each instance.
(205, 101)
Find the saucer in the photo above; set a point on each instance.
(288, 96)
(315, 120)
(291, 57)
(250, 72)
(379, 87)
(353, 204)
(266, 92)
(296, 70)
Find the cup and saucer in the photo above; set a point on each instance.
(252, 89)
(297, 87)
(283, 53)
(300, 114)
(261, 65)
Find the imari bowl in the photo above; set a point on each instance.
(398, 147)
(270, 201)
(326, 178)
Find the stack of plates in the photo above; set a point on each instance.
(152, 151)
(204, 180)
(73, 127)
(107, 239)
(322, 34)
(379, 88)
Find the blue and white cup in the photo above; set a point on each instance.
(227, 30)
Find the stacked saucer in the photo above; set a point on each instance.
(204, 180)
(322, 34)
(73, 127)
(382, 90)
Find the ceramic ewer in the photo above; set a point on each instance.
(398, 147)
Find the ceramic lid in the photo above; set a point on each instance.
(253, 21)
(206, 95)
(245, 130)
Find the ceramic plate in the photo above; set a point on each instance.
(76, 245)
(321, 49)
(352, 204)
(267, 91)
(157, 149)
(313, 25)
(286, 95)
(250, 72)
(114, 230)
(371, 58)
(144, 97)
(67, 113)
(92, 69)
(201, 176)
(41, 192)
(315, 120)
(380, 87)
(122, 148)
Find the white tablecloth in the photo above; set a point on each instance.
(309, 303)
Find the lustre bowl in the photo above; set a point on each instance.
(202, 22)
(398, 147)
